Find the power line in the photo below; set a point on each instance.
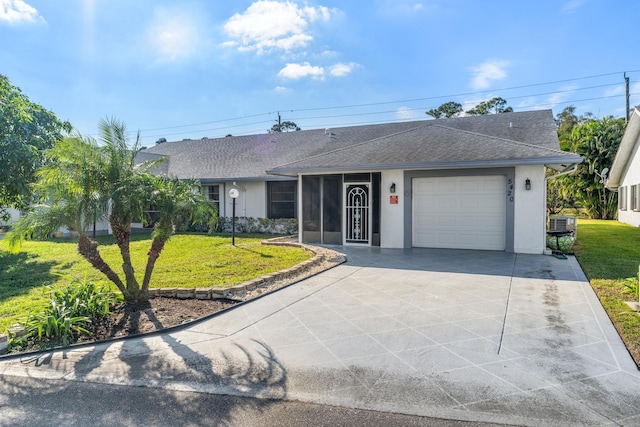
(226, 127)
(427, 108)
(461, 94)
(523, 108)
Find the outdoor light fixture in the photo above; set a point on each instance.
(392, 189)
(233, 193)
(527, 184)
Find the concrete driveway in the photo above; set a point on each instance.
(466, 335)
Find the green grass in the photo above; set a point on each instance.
(609, 253)
(188, 261)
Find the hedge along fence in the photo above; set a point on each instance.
(286, 226)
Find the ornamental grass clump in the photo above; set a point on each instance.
(69, 313)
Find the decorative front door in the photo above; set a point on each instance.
(357, 215)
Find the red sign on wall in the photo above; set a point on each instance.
(393, 200)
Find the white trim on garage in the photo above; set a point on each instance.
(459, 212)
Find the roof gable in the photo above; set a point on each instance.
(628, 146)
(449, 143)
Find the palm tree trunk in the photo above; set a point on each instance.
(157, 245)
(89, 250)
(122, 235)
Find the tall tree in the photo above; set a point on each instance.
(566, 120)
(26, 130)
(446, 110)
(285, 126)
(86, 181)
(597, 141)
(493, 106)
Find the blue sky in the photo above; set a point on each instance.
(196, 68)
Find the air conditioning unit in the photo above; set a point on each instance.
(559, 224)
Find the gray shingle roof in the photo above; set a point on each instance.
(519, 138)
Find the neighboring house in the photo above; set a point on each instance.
(469, 182)
(624, 176)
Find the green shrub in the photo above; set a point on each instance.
(68, 314)
(86, 299)
(55, 323)
(560, 243)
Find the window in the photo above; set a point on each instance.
(281, 199)
(635, 197)
(214, 196)
(622, 198)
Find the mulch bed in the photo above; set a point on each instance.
(155, 314)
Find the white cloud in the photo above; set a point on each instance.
(571, 6)
(17, 11)
(175, 34)
(400, 8)
(329, 53)
(487, 72)
(341, 70)
(618, 90)
(561, 95)
(267, 25)
(281, 89)
(528, 103)
(406, 113)
(298, 71)
(414, 7)
(305, 69)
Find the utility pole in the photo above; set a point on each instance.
(626, 83)
(280, 119)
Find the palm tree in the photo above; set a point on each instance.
(85, 182)
(175, 202)
(70, 189)
(124, 187)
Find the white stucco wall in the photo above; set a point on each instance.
(529, 211)
(630, 177)
(252, 201)
(392, 215)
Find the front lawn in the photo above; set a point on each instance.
(609, 253)
(188, 261)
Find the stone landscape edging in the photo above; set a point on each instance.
(238, 292)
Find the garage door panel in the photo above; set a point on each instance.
(446, 221)
(459, 212)
(446, 203)
(469, 186)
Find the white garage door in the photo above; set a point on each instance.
(463, 212)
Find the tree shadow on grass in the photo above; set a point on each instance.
(21, 272)
(262, 255)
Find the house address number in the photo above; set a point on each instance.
(510, 189)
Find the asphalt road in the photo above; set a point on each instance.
(37, 402)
